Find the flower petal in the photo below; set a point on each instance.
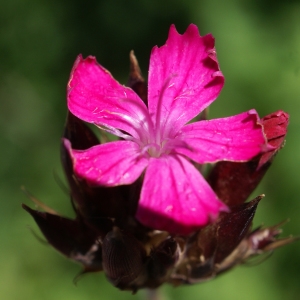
(109, 164)
(184, 78)
(96, 97)
(236, 138)
(275, 129)
(175, 197)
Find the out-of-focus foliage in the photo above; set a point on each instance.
(258, 45)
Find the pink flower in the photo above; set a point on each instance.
(184, 79)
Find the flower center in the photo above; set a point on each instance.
(153, 136)
(156, 150)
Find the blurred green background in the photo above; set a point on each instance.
(258, 45)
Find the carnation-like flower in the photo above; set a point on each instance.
(158, 139)
(109, 190)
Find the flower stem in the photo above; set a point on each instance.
(154, 294)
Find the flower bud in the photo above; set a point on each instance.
(123, 259)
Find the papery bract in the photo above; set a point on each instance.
(184, 78)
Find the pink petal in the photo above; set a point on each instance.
(275, 128)
(96, 97)
(236, 138)
(184, 78)
(109, 164)
(175, 197)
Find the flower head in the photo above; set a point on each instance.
(184, 79)
(109, 190)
